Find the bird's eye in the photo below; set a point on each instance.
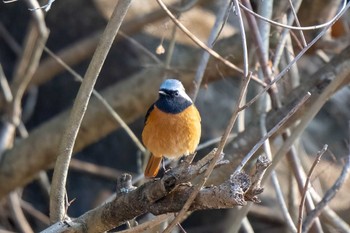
(176, 93)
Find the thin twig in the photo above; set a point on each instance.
(280, 45)
(227, 14)
(11, 42)
(220, 16)
(329, 195)
(244, 39)
(29, 208)
(46, 7)
(25, 69)
(171, 47)
(7, 130)
(307, 182)
(300, 176)
(282, 40)
(279, 194)
(282, 203)
(271, 132)
(330, 215)
(201, 44)
(84, 49)
(15, 207)
(265, 9)
(185, 7)
(306, 118)
(148, 225)
(38, 17)
(57, 203)
(275, 100)
(260, 36)
(297, 21)
(237, 109)
(140, 46)
(324, 25)
(292, 195)
(300, 54)
(241, 117)
(5, 87)
(310, 204)
(214, 141)
(294, 70)
(98, 170)
(308, 115)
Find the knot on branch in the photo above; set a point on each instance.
(170, 182)
(255, 189)
(240, 180)
(235, 187)
(124, 184)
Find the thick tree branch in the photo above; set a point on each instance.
(158, 197)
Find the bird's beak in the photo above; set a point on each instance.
(162, 93)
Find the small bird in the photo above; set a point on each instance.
(172, 126)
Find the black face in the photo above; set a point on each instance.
(172, 102)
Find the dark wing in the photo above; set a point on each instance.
(148, 112)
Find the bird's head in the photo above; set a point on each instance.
(172, 97)
(173, 88)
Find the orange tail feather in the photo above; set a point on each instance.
(153, 166)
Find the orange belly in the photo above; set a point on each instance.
(172, 135)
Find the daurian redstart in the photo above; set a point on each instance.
(172, 126)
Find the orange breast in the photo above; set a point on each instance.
(172, 135)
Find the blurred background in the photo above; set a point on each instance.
(97, 164)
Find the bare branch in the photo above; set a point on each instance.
(93, 169)
(279, 195)
(33, 48)
(220, 15)
(35, 213)
(149, 225)
(15, 207)
(157, 197)
(324, 25)
(300, 54)
(295, 16)
(329, 195)
(302, 202)
(57, 200)
(46, 7)
(244, 39)
(272, 131)
(202, 45)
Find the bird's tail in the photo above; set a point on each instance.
(153, 166)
